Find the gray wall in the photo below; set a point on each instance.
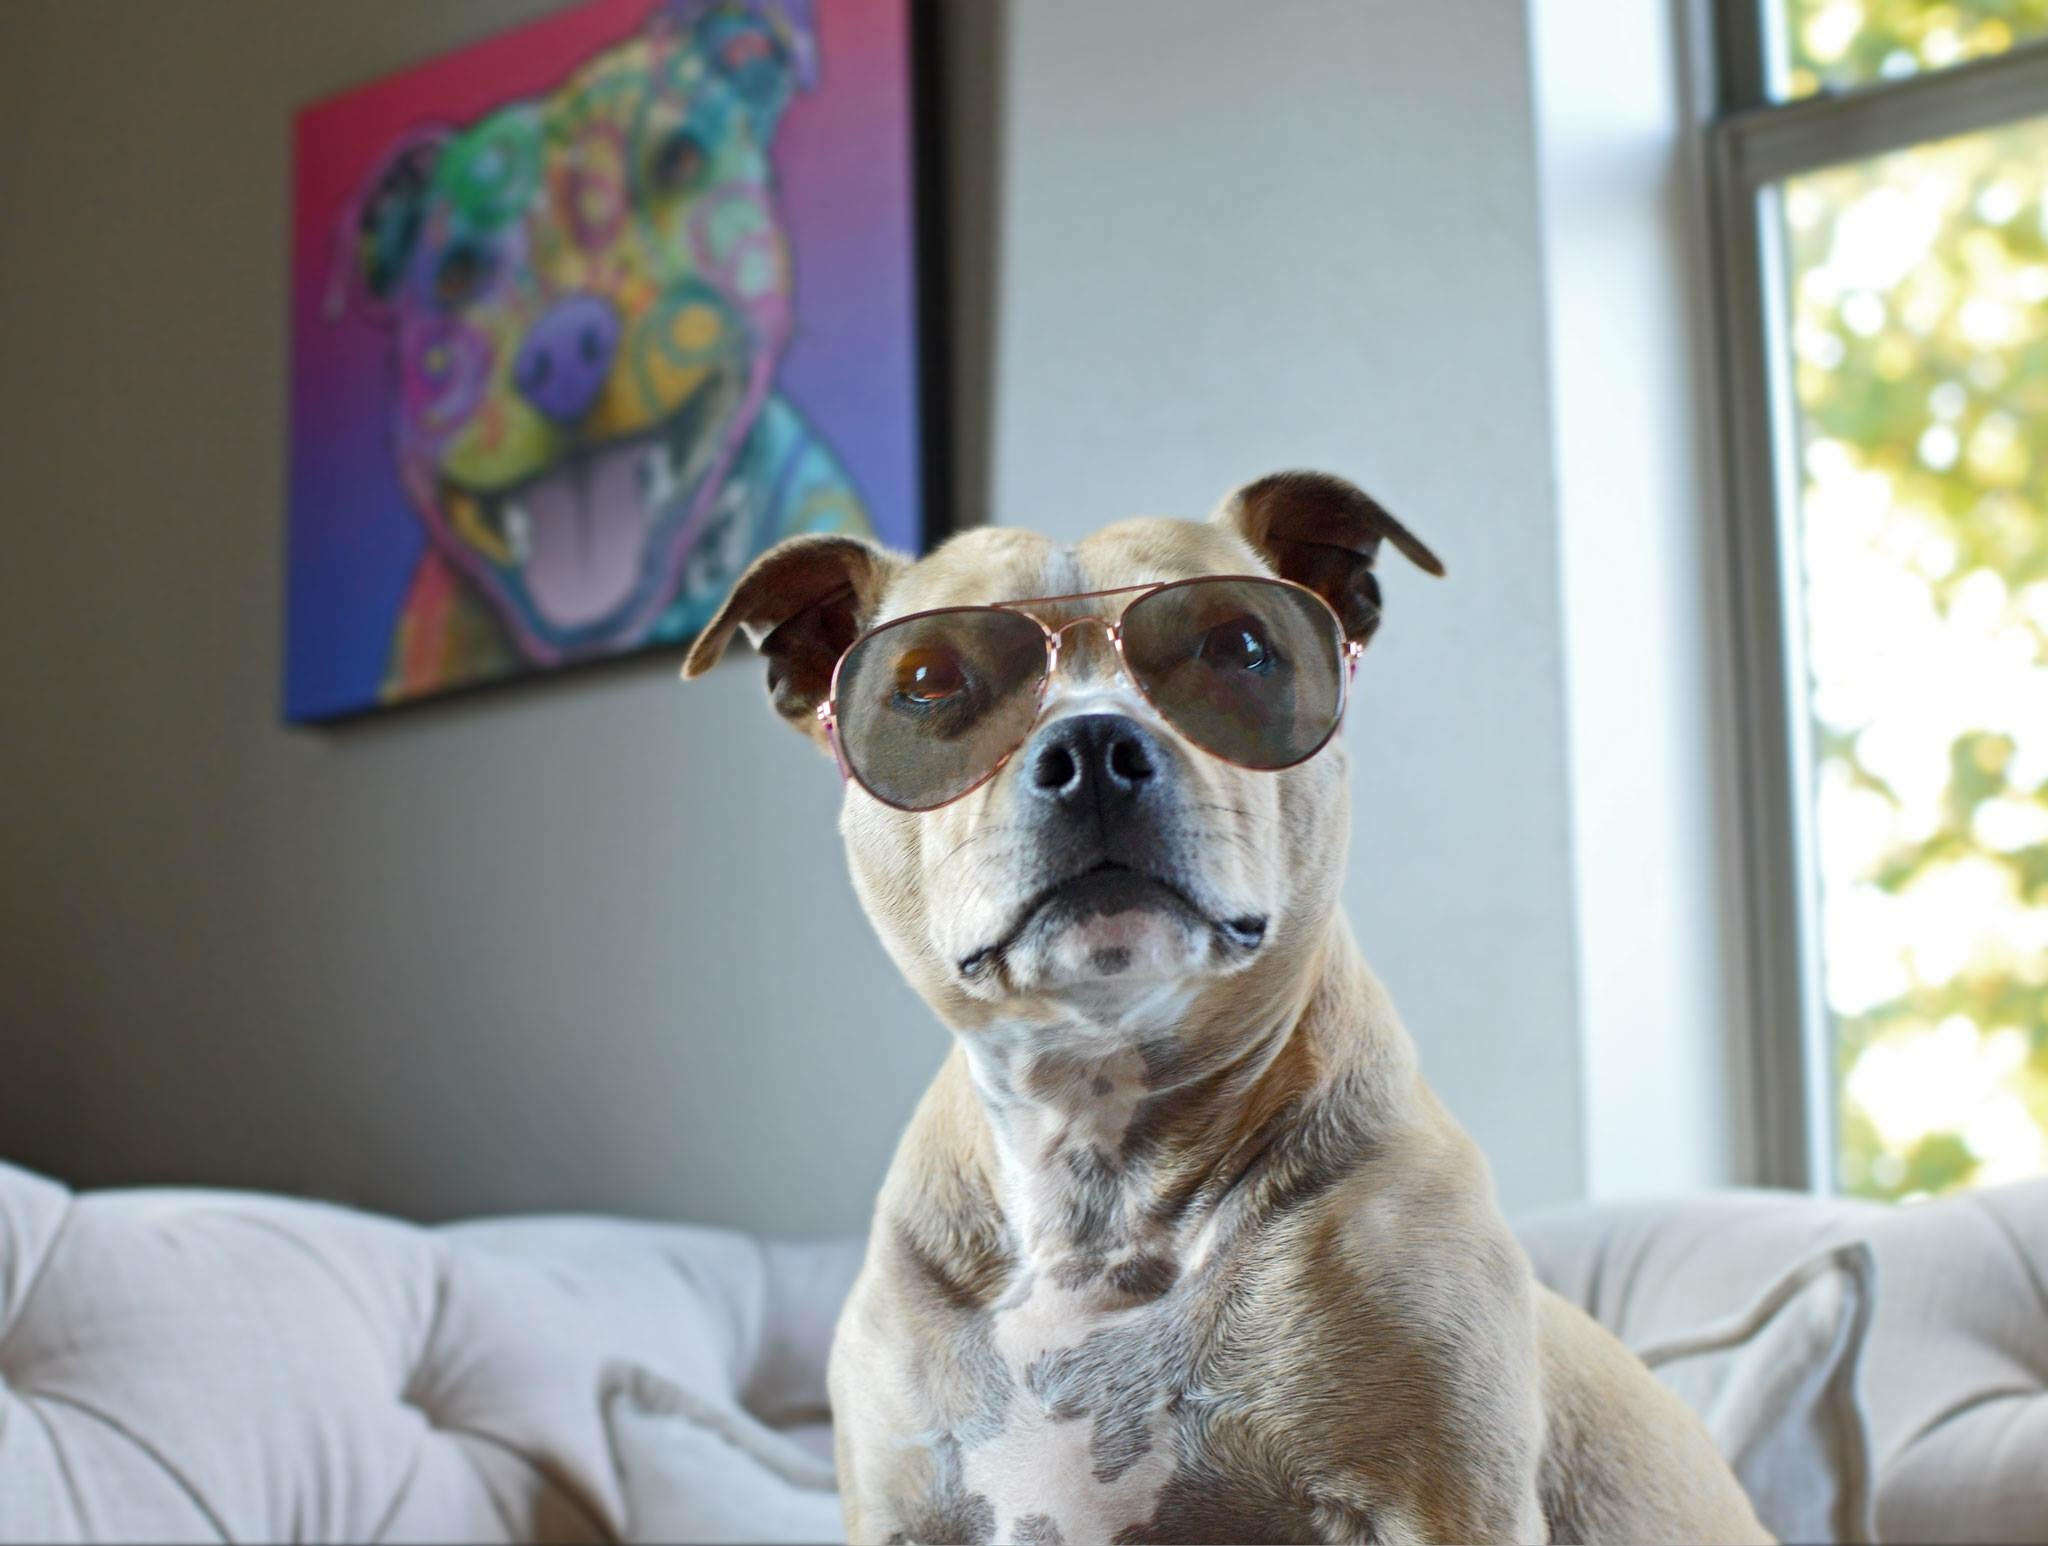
(589, 944)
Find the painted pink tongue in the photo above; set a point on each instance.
(586, 528)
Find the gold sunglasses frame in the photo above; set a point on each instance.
(828, 712)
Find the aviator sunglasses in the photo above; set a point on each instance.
(927, 708)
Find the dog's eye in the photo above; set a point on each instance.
(1237, 645)
(463, 271)
(927, 674)
(677, 163)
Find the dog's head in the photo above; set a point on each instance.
(1110, 868)
(588, 293)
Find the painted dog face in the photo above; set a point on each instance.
(588, 293)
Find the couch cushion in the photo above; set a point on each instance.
(1954, 1372)
(695, 1471)
(1777, 1385)
(203, 1365)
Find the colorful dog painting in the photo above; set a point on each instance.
(588, 299)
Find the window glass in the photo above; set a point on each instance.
(1918, 309)
(1836, 44)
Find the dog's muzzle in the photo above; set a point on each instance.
(1096, 792)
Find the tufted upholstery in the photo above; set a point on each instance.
(199, 1365)
(1954, 1372)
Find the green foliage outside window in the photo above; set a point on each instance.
(1842, 43)
(1918, 303)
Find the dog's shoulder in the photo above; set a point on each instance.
(938, 1226)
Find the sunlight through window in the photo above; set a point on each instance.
(1917, 300)
(1834, 45)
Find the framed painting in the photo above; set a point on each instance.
(584, 317)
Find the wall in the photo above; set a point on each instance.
(1246, 237)
(1619, 114)
(587, 945)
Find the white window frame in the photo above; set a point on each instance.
(1755, 144)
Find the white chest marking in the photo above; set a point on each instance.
(1048, 1467)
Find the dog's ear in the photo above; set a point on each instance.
(800, 604)
(766, 49)
(380, 229)
(1322, 532)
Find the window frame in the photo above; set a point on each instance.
(1753, 145)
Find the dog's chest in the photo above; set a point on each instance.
(1095, 1404)
(1103, 1424)
(1096, 1398)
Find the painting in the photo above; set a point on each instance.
(584, 317)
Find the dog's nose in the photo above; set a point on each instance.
(562, 365)
(1089, 759)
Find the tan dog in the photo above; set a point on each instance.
(1178, 1246)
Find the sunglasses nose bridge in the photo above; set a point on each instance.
(1056, 639)
(1060, 632)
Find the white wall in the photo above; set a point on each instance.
(1630, 345)
(587, 944)
(1238, 238)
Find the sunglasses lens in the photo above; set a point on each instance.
(930, 705)
(1251, 671)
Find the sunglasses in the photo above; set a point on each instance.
(927, 708)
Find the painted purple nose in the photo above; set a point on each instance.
(567, 355)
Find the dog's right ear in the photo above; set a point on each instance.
(800, 604)
(766, 50)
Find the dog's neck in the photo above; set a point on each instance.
(1113, 1149)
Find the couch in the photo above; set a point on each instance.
(179, 1364)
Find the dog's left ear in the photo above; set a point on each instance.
(767, 49)
(379, 231)
(800, 604)
(1322, 532)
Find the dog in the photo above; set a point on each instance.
(1178, 1245)
(587, 295)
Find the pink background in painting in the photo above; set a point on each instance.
(843, 158)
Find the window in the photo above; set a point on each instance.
(1830, 45)
(1881, 174)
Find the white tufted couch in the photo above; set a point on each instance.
(204, 1365)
